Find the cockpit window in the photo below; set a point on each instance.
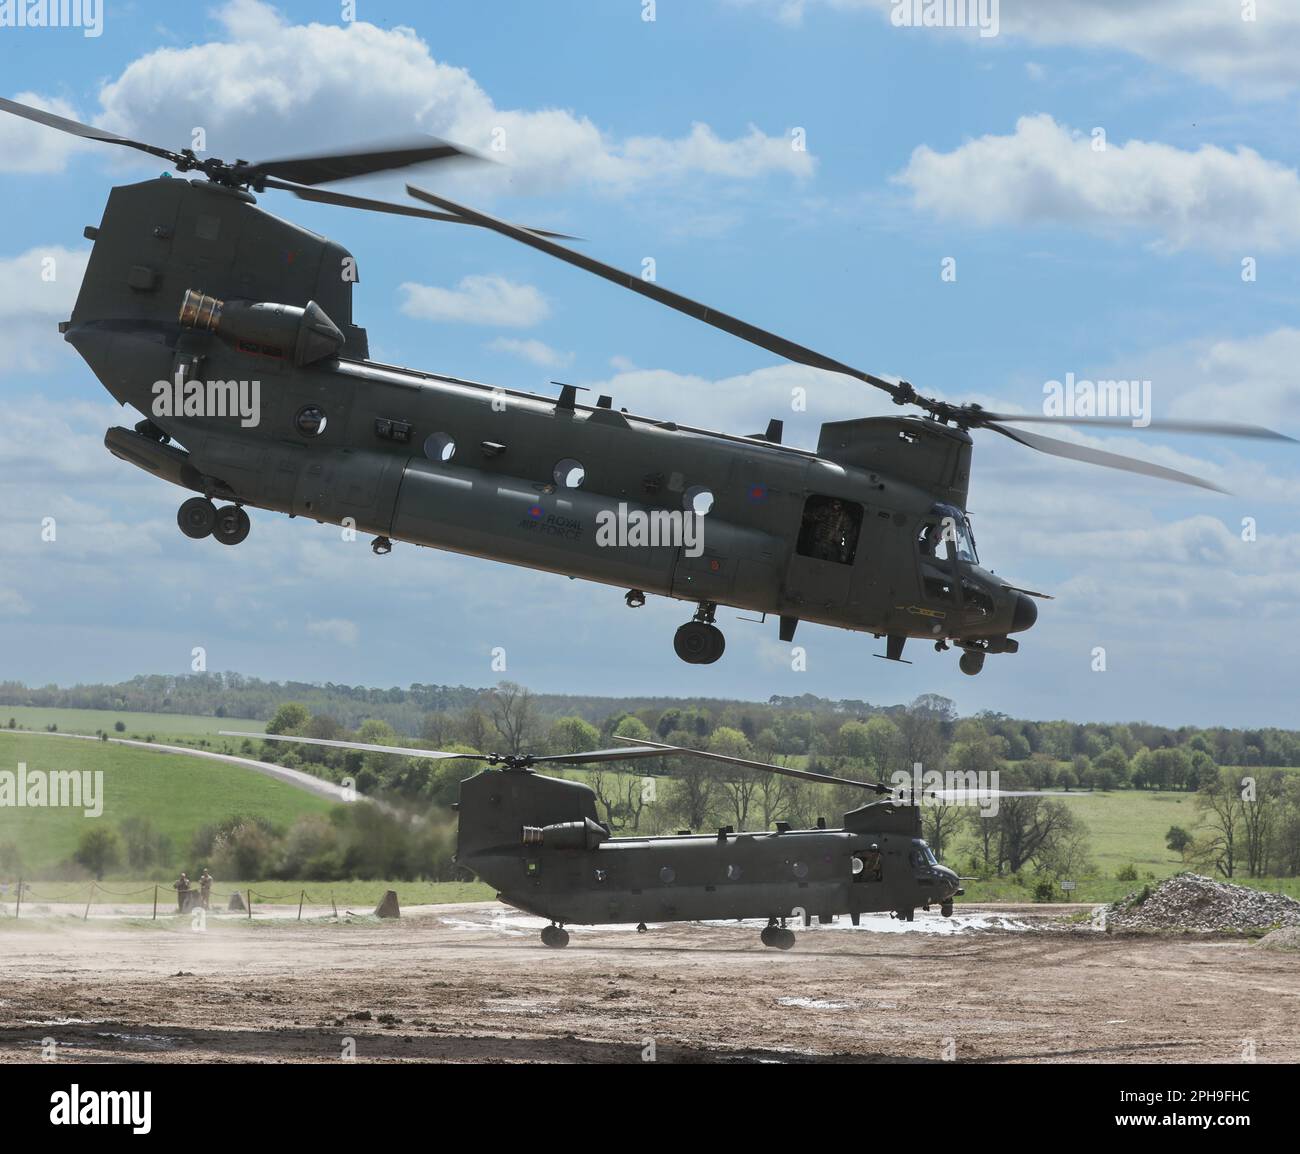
(922, 855)
(953, 525)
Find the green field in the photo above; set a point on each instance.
(177, 793)
(161, 725)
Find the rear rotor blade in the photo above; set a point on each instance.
(627, 753)
(800, 354)
(785, 770)
(1100, 457)
(401, 751)
(1204, 428)
(342, 199)
(86, 131)
(345, 165)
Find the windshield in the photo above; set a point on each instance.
(954, 526)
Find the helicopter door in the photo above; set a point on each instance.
(821, 566)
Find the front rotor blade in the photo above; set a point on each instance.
(773, 343)
(345, 165)
(1100, 457)
(401, 751)
(1204, 428)
(343, 200)
(978, 794)
(86, 131)
(785, 770)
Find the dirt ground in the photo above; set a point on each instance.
(472, 983)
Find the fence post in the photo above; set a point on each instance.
(19, 906)
(334, 904)
(302, 894)
(250, 905)
(155, 901)
(91, 898)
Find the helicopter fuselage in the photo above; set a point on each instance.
(866, 533)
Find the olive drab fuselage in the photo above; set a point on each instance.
(866, 533)
(537, 841)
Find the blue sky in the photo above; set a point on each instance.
(672, 139)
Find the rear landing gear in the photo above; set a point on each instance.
(555, 937)
(196, 517)
(232, 525)
(972, 661)
(699, 641)
(777, 937)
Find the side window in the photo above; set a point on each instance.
(830, 529)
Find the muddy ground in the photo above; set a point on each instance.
(473, 984)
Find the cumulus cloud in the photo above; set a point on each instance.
(268, 87)
(1045, 173)
(1218, 43)
(537, 352)
(29, 147)
(37, 290)
(477, 300)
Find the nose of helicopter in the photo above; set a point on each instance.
(1025, 615)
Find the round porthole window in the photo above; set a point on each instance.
(439, 447)
(698, 500)
(569, 474)
(733, 873)
(800, 869)
(666, 875)
(310, 420)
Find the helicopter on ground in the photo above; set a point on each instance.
(539, 842)
(231, 331)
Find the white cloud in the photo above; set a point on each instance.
(28, 147)
(477, 300)
(538, 352)
(37, 290)
(273, 88)
(1209, 40)
(1044, 173)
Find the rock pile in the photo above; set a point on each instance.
(1287, 938)
(1189, 902)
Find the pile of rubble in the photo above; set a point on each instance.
(1287, 938)
(1190, 903)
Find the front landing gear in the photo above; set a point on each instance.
(699, 641)
(555, 937)
(777, 937)
(972, 661)
(232, 525)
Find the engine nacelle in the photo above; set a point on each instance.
(585, 834)
(304, 335)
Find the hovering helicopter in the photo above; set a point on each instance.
(192, 291)
(539, 842)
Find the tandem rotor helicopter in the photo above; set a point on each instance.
(192, 287)
(538, 841)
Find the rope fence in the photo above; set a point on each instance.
(24, 892)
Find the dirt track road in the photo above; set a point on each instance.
(472, 983)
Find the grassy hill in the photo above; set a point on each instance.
(177, 793)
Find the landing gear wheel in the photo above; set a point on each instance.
(946, 909)
(232, 525)
(698, 643)
(555, 937)
(197, 517)
(971, 662)
(767, 937)
(784, 939)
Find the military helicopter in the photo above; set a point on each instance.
(539, 842)
(232, 332)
